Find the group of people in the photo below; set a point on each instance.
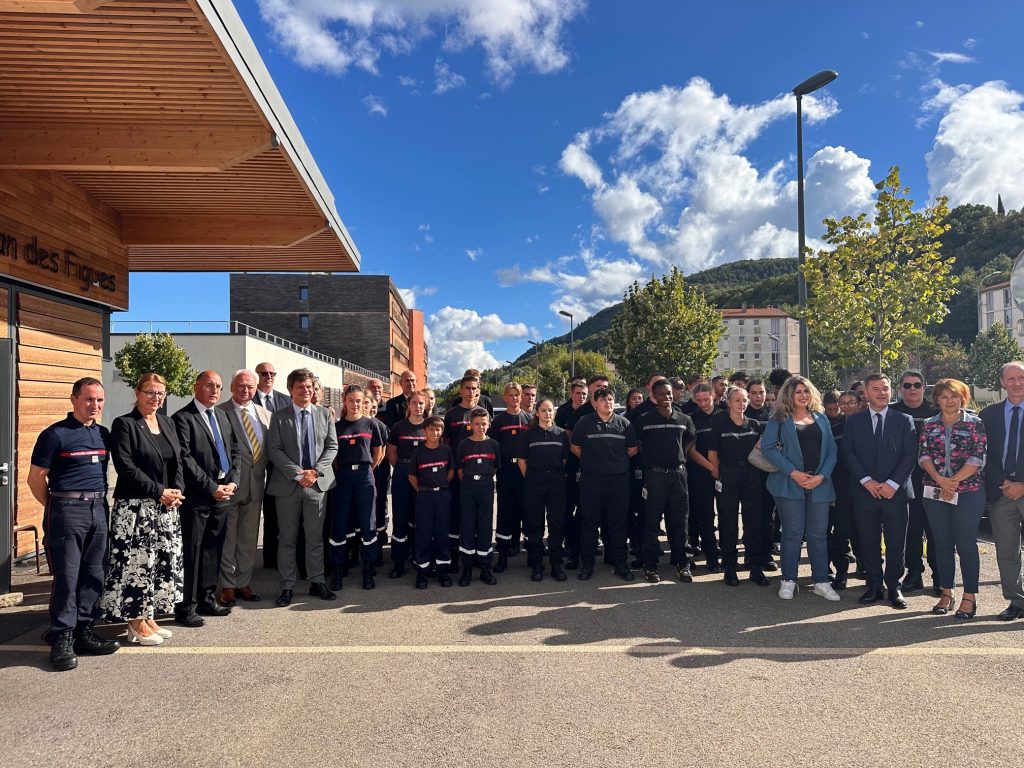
(837, 471)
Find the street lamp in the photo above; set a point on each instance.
(536, 350)
(572, 343)
(810, 85)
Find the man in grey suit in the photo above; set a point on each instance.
(249, 423)
(302, 444)
(272, 400)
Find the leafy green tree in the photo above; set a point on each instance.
(989, 351)
(884, 280)
(550, 367)
(824, 375)
(666, 326)
(939, 358)
(156, 352)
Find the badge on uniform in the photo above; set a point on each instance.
(352, 441)
(469, 427)
(433, 469)
(415, 443)
(95, 459)
(515, 432)
(479, 461)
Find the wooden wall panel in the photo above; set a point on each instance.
(57, 344)
(4, 329)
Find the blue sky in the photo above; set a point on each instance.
(503, 159)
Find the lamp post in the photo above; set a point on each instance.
(810, 85)
(536, 350)
(572, 343)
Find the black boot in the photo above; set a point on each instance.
(557, 573)
(454, 567)
(502, 565)
(62, 652)
(537, 574)
(486, 576)
(842, 574)
(88, 642)
(730, 575)
(336, 578)
(443, 577)
(368, 582)
(421, 578)
(757, 576)
(397, 569)
(572, 562)
(467, 575)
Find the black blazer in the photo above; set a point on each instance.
(201, 464)
(137, 458)
(280, 400)
(994, 418)
(896, 460)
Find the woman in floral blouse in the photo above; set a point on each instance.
(952, 454)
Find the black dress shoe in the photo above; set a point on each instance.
(771, 566)
(421, 578)
(1011, 613)
(586, 572)
(368, 572)
(758, 578)
(62, 652)
(537, 574)
(624, 573)
(557, 573)
(284, 599)
(502, 565)
(88, 642)
(713, 567)
(397, 572)
(871, 595)
(189, 619)
(913, 582)
(467, 576)
(731, 578)
(212, 608)
(897, 600)
(336, 580)
(321, 590)
(486, 576)
(839, 583)
(444, 578)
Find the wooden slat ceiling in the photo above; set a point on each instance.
(138, 102)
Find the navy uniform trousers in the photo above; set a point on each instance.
(666, 498)
(354, 497)
(75, 538)
(545, 498)
(604, 503)
(403, 512)
(433, 543)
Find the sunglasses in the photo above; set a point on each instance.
(268, 374)
(912, 385)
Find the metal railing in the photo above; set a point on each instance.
(234, 327)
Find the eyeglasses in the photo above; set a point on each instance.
(153, 394)
(268, 374)
(912, 385)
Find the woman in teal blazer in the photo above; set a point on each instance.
(798, 441)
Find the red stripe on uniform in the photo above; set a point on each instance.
(70, 454)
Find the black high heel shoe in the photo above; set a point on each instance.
(941, 610)
(974, 608)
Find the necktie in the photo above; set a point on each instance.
(1012, 443)
(307, 459)
(222, 455)
(879, 426)
(250, 431)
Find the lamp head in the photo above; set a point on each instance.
(814, 82)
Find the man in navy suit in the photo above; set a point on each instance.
(879, 449)
(1004, 484)
(267, 397)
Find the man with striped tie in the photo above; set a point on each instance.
(249, 423)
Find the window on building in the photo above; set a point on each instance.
(757, 339)
(990, 303)
(1006, 297)
(304, 322)
(757, 355)
(776, 327)
(1007, 318)
(303, 293)
(775, 359)
(740, 321)
(742, 356)
(743, 339)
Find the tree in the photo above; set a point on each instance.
(989, 351)
(939, 358)
(156, 352)
(824, 376)
(884, 281)
(666, 326)
(1000, 210)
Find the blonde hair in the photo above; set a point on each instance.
(784, 399)
(146, 378)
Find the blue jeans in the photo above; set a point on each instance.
(957, 527)
(803, 518)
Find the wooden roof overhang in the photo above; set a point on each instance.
(164, 110)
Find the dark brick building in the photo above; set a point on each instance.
(360, 318)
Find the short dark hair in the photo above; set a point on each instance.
(717, 378)
(830, 397)
(469, 380)
(876, 377)
(778, 377)
(85, 381)
(577, 383)
(477, 413)
(594, 379)
(299, 374)
(603, 392)
(677, 383)
(434, 421)
(912, 372)
(738, 376)
(702, 387)
(752, 382)
(661, 384)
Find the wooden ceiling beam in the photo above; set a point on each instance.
(51, 6)
(208, 230)
(107, 147)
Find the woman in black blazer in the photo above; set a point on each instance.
(145, 572)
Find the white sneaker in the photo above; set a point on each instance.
(787, 589)
(824, 589)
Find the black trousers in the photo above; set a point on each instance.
(741, 490)
(874, 517)
(454, 515)
(572, 508)
(701, 487)
(604, 497)
(635, 524)
(511, 503)
(768, 516)
(270, 530)
(382, 481)
(202, 535)
(918, 528)
(75, 538)
(842, 532)
(545, 499)
(667, 498)
(476, 505)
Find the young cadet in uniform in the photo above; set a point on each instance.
(431, 469)
(701, 476)
(759, 410)
(406, 434)
(457, 427)
(565, 417)
(604, 443)
(360, 448)
(477, 459)
(733, 437)
(68, 476)
(541, 461)
(508, 429)
(381, 472)
(679, 390)
(665, 436)
(529, 401)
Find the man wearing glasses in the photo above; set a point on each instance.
(272, 400)
(914, 405)
(266, 396)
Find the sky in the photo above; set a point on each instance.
(503, 160)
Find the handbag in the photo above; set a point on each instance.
(757, 459)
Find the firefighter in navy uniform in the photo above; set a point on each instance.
(665, 436)
(701, 475)
(508, 429)
(406, 434)
(542, 457)
(68, 476)
(431, 469)
(457, 427)
(476, 461)
(566, 417)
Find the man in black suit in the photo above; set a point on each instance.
(1004, 484)
(267, 397)
(879, 448)
(211, 472)
(395, 409)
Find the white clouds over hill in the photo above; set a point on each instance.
(457, 338)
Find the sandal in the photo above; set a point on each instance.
(962, 614)
(945, 604)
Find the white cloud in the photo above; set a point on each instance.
(406, 81)
(458, 337)
(668, 177)
(412, 295)
(335, 35)
(951, 57)
(919, 24)
(375, 106)
(474, 253)
(445, 79)
(970, 42)
(979, 146)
